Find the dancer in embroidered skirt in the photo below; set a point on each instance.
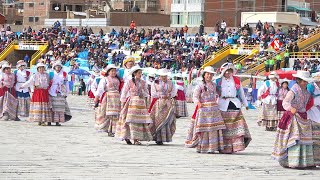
(162, 108)
(314, 116)
(8, 100)
(282, 92)
(181, 103)
(134, 121)
(23, 95)
(236, 136)
(40, 108)
(294, 145)
(267, 93)
(90, 84)
(150, 80)
(205, 131)
(58, 94)
(107, 114)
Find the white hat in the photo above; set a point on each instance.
(284, 80)
(3, 63)
(134, 69)
(227, 66)
(5, 66)
(163, 72)
(304, 75)
(40, 65)
(209, 69)
(151, 72)
(21, 63)
(316, 76)
(273, 74)
(111, 66)
(179, 75)
(57, 63)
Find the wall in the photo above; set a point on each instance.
(141, 19)
(270, 17)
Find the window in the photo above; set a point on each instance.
(176, 18)
(41, 3)
(31, 5)
(195, 1)
(30, 19)
(67, 7)
(56, 7)
(36, 19)
(152, 4)
(78, 8)
(179, 1)
(194, 18)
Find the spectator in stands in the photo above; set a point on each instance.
(26, 59)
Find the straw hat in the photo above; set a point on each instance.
(21, 63)
(134, 69)
(209, 69)
(111, 66)
(316, 76)
(152, 72)
(163, 72)
(128, 59)
(227, 66)
(40, 65)
(304, 75)
(273, 74)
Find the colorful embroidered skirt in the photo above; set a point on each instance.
(269, 116)
(113, 104)
(164, 120)
(8, 105)
(134, 120)
(294, 146)
(39, 106)
(24, 103)
(205, 131)
(236, 136)
(60, 109)
(181, 108)
(316, 142)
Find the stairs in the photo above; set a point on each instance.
(7, 51)
(42, 50)
(217, 56)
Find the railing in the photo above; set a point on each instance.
(8, 48)
(220, 51)
(308, 48)
(38, 43)
(305, 55)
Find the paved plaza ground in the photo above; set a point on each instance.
(76, 151)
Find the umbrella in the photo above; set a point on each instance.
(120, 56)
(284, 74)
(113, 46)
(79, 72)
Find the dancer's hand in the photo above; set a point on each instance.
(199, 105)
(293, 110)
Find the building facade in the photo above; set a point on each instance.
(212, 12)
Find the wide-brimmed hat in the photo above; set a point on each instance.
(5, 66)
(41, 65)
(284, 80)
(3, 63)
(178, 75)
(163, 72)
(227, 66)
(134, 69)
(57, 63)
(209, 69)
(128, 59)
(111, 66)
(316, 77)
(152, 72)
(21, 63)
(273, 75)
(304, 75)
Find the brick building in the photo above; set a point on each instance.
(191, 12)
(36, 11)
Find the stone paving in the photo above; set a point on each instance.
(76, 151)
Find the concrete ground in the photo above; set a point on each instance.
(76, 151)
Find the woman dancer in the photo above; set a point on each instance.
(205, 132)
(134, 122)
(109, 109)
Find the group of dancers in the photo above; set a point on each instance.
(40, 96)
(135, 109)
